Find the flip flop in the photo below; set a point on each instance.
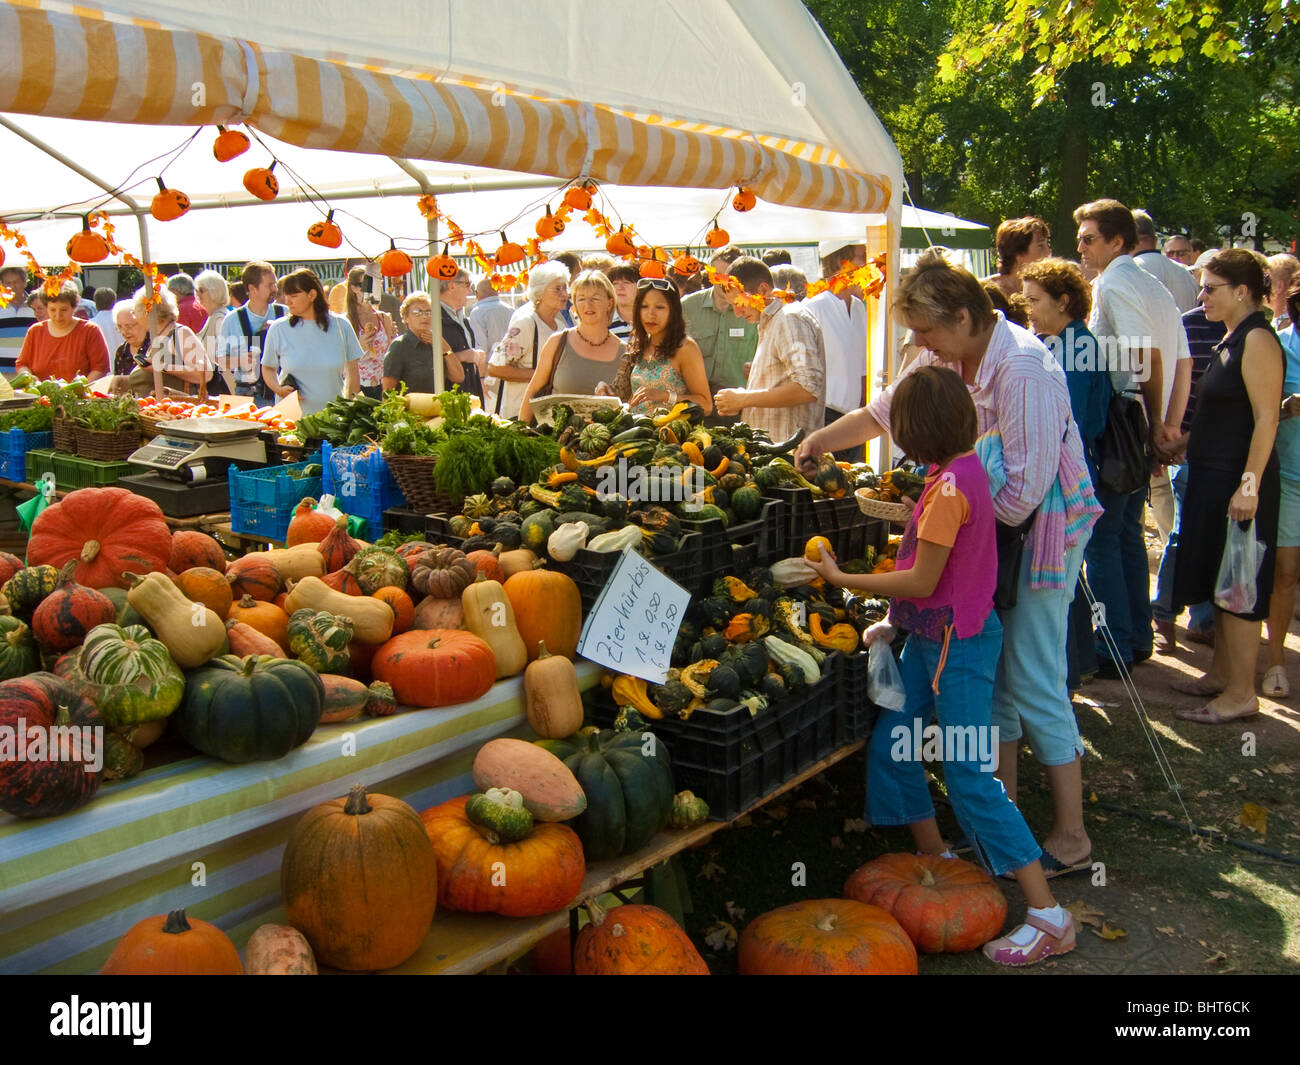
(1207, 715)
(1054, 867)
(1196, 686)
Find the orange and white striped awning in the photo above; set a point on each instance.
(80, 62)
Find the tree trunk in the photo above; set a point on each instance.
(1073, 186)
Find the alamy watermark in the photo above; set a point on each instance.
(919, 742)
(54, 743)
(1084, 353)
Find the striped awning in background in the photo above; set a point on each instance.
(76, 62)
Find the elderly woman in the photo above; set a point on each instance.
(584, 360)
(515, 358)
(64, 345)
(176, 357)
(374, 329)
(188, 311)
(409, 359)
(1041, 484)
(458, 334)
(133, 352)
(213, 295)
(312, 351)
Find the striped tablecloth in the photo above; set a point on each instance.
(207, 836)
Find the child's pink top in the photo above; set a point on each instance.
(955, 511)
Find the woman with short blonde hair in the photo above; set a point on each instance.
(177, 358)
(514, 360)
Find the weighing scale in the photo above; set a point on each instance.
(189, 460)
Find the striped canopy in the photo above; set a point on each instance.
(662, 92)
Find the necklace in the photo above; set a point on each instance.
(594, 343)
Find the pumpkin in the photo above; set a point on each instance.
(246, 640)
(308, 525)
(192, 549)
(326, 233)
(435, 667)
(229, 144)
(87, 246)
(380, 700)
(442, 572)
(266, 618)
(203, 585)
(634, 940)
(435, 613)
(250, 709)
(487, 563)
(717, 237)
(395, 262)
(38, 785)
(945, 905)
(129, 675)
(549, 225)
(379, 567)
(837, 937)
(111, 532)
(442, 267)
(401, 605)
(579, 196)
(18, 655)
(509, 252)
(168, 204)
(372, 619)
(686, 265)
(651, 268)
(175, 945)
(548, 607)
(743, 201)
(27, 587)
(63, 617)
(689, 811)
(253, 575)
(552, 701)
(338, 547)
(121, 759)
(411, 550)
(9, 564)
(262, 182)
(629, 789)
(320, 639)
(488, 615)
(480, 873)
(620, 243)
(342, 581)
(550, 790)
(191, 632)
(360, 881)
(278, 950)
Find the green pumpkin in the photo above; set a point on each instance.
(130, 675)
(502, 487)
(595, 439)
(459, 525)
(122, 758)
(630, 720)
(536, 530)
(507, 534)
(379, 567)
(502, 813)
(26, 588)
(615, 507)
(714, 612)
(747, 502)
(688, 811)
(725, 682)
(320, 640)
(18, 653)
(126, 613)
(250, 709)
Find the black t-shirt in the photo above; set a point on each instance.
(410, 360)
(461, 338)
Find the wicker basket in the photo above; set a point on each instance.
(149, 424)
(879, 508)
(107, 446)
(414, 476)
(65, 435)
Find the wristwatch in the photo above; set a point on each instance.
(672, 399)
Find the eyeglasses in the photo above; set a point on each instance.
(426, 313)
(1086, 240)
(661, 283)
(1211, 288)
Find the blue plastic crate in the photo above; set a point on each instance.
(13, 457)
(258, 519)
(272, 486)
(361, 483)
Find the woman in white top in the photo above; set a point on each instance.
(213, 295)
(531, 326)
(177, 359)
(312, 350)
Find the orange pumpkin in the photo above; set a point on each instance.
(488, 564)
(538, 874)
(168, 204)
(509, 252)
(717, 237)
(191, 548)
(435, 613)
(87, 246)
(442, 267)
(199, 584)
(548, 607)
(634, 940)
(262, 183)
(359, 880)
(435, 667)
(255, 576)
(403, 607)
(395, 262)
(651, 268)
(686, 265)
(620, 243)
(579, 196)
(266, 618)
(229, 143)
(109, 530)
(834, 937)
(308, 526)
(326, 233)
(946, 905)
(744, 200)
(548, 225)
(174, 945)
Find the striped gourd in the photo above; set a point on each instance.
(131, 675)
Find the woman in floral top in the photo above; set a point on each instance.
(664, 365)
(375, 331)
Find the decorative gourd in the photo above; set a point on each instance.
(435, 667)
(628, 536)
(744, 200)
(250, 709)
(543, 872)
(435, 613)
(400, 604)
(18, 654)
(9, 565)
(200, 584)
(326, 232)
(27, 587)
(837, 937)
(109, 531)
(295, 563)
(689, 811)
(840, 637)
(442, 572)
(380, 700)
(87, 246)
(487, 563)
(320, 639)
(266, 618)
(175, 945)
(342, 581)
(129, 675)
(501, 813)
(121, 759)
(520, 560)
(308, 525)
(278, 950)
(552, 701)
(372, 619)
(191, 632)
(395, 262)
(262, 182)
(550, 790)
(246, 640)
(63, 617)
(634, 940)
(564, 543)
(409, 551)
(47, 781)
(345, 699)
(338, 547)
(168, 204)
(547, 607)
(254, 575)
(379, 567)
(489, 616)
(229, 144)
(360, 881)
(191, 549)
(945, 905)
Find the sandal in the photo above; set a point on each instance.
(1207, 715)
(1276, 685)
(1054, 940)
(1196, 686)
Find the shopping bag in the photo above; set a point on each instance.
(29, 511)
(884, 682)
(1243, 555)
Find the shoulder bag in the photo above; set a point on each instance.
(1122, 463)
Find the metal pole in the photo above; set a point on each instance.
(433, 287)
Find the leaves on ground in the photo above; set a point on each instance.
(1108, 933)
(1254, 817)
(721, 936)
(1085, 914)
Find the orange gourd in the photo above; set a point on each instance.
(174, 945)
(201, 584)
(403, 607)
(110, 532)
(488, 564)
(343, 580)
(255, 576)
(262, 182)
(744, 200)
(246, 640)
(191, 548)
(338, 546)
(549, 225)
(395, 262)
(168, 204)
(620, 243)
(266, 618)
(87, 246)
(548, 607)
(634, 940)
(229, 144)
(308, 526)
(435, 613)
(834, 937)
(326, 233)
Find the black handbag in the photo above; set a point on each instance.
(1122, 463)
(1011, 552)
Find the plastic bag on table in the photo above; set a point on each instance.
(884, 682)
(1243, 555)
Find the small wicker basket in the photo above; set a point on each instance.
(879, 508)
(65, 435)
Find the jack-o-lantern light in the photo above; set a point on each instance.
(87, 246)
(619, 243)
(262, 182)
(326, 232)
(229, 143)
(686, 265)
(395, 262)
(509, 252)
(744, 200)
(442, 267)
(168, 203)
(717, 237)
(549, 225)
(579, 196)
(651, 268)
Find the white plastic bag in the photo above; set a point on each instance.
(1243, 555)
(884, 683)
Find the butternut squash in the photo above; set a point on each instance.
(295, 563)
(191, 632)
(372, 619)
(516, 561)
(490, 617)
(552, 700)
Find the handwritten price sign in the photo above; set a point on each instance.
(634, 623)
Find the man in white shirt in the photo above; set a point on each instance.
(843, 319)
(489, 318)
(1136, 324)
(105, 298)
(243, 332)
(1173, 275)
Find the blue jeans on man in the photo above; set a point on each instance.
(1119, 577)
(1201, 615)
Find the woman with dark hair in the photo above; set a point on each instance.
(1020, 241)
(64, 345)
(1233, 475)
(374, 330)
(311, 351)
(664, 365)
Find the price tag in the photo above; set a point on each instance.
(633, 626)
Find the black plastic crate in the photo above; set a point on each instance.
(397, 519)
(797, 525)
(591, 570)
(714, 552)
(855, 713)
(816, 706)
(437, 532)
(765, 534)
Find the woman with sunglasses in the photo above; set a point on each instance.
(664, 365)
